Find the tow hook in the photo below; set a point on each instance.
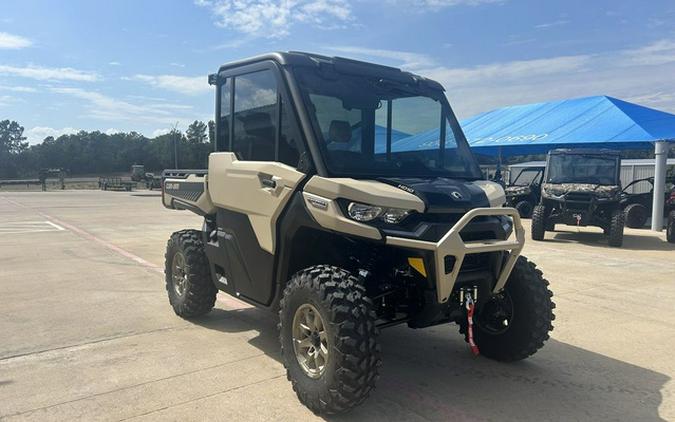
(467, 298)
(578, 217)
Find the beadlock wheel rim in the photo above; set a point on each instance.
(179, 275)
(310, 341)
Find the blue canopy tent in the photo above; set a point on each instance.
(577, 123)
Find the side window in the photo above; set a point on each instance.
(255, 116)
(224, 118)
(289, 141)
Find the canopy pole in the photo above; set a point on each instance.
(660, 156)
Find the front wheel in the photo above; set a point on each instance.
(636, 215)
(616, 228)
(188, 280)
(524, 209)
(670, 231)
(328, 339)
(539, 222)
(516, 322)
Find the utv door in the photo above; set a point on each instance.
(253, 180)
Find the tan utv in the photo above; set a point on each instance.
(343, 195)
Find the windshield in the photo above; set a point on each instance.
(526, 177)
(374, 128)
(578, 168)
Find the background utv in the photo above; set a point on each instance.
(343, 196)
(582, 187)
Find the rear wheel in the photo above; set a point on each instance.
(516, 322)
(636, 215)
(616, 228)
(539, 222)
(188, 281)
(328, 339)
(670, 231)
(524, 209)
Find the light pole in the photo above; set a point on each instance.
(175, 146)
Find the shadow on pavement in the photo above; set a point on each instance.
(630, 241)
(430, 375)
(152, 195)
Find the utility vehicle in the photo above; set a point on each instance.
(637, 206)
(343, 196)
(582, 187)
(525, 190)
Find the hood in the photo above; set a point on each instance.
(563, 188)
(443, 195)
(517, 190)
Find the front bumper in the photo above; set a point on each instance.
(452, 245)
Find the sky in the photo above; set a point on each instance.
(142, 65)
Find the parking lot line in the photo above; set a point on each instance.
(20, 227)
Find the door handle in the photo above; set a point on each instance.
(272, 184)
(269, 183)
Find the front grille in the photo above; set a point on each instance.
(476, 261)
(578, 201)
(579, 196)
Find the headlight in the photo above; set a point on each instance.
(519, 190)
(606, 193)
(364, 213)
(553, 193)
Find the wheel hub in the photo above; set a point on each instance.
(496, 314)
(310, 341)
(179, 275)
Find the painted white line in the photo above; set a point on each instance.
(19, 227)
(27, 231)
(56, 226)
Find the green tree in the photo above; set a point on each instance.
(212, 133)
(12, 144)
(196, 132)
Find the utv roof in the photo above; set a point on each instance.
(584, 151)
(337, 64)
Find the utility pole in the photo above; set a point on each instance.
(175, 146)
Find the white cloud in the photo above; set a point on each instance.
(160, 132)
(657, 53)
(505, 71)
(438, 4)
(182, 84)
(405, 59)
(547, 25)
(49, 73)
(103, 107)
(115, 64)
(5, 100)
(39, 133)
(274, 18)
(13, 42)
(17, 88)
(621, 74)
(112, 131)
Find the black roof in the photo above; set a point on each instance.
(585, 151)
(338, 64)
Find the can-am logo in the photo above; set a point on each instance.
(458, 196)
